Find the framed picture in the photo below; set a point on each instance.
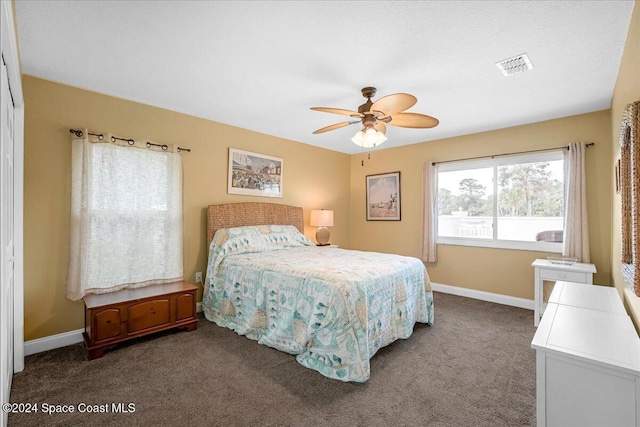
(383, 197)
(254, 174)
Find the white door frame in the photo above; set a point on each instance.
(9, 51)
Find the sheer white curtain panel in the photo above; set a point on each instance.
(430, 215)
(576, 224)
(126, 216)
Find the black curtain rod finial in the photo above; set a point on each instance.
(79, 134)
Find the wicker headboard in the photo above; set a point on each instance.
(252, 213)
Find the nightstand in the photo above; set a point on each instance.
(545, 270)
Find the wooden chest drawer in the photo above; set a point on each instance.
(185, 306)
(148, 314)
(106, 324)
(118, 316)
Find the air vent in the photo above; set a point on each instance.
(514, 65)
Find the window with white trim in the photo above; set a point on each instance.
(511, 202)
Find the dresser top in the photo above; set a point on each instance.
(603, 338)
(595, 297)
(98, 300)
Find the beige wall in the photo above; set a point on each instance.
(506, 272)
(627, 90)
(313, 178)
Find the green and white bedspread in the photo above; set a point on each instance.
(333, 308)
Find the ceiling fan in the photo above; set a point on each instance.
(375, 116)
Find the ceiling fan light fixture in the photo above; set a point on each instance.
(376, 116)
(368, 138)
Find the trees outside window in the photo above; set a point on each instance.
(501, 199)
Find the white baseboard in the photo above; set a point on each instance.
(483, 296)
(53, 341)
(62, 340)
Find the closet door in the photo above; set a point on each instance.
(6, 236)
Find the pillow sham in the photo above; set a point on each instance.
(269, 236)
(256, 238)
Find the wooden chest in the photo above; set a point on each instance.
(119, 316)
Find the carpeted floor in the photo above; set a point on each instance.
(473, 367)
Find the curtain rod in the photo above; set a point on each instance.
(129, 141)
(565, 147)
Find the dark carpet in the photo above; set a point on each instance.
(473, 367)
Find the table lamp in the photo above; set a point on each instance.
(322, 219)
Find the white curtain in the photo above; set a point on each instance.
(430, 216)
(576, 224)
(126, 216)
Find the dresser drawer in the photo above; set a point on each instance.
(185, 306)
(567, 276)
(148, 314)
(106, 324)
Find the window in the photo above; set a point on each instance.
(514, 202)
(126, 218)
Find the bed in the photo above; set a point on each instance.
(332, 308)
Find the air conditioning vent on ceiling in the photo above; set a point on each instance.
(514, 65)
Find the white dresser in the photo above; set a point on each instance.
(587, 359)
(546, 270)
(594, 297)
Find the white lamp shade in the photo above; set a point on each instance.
(368, 138)
(321, 218)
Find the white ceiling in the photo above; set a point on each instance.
(260, 65)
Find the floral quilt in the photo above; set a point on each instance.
(332, 308)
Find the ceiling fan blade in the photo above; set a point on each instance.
(413, 120)
(393, 104)
(379, 126)
(335, 126)
(338, 111)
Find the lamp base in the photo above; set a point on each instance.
(322, 236)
